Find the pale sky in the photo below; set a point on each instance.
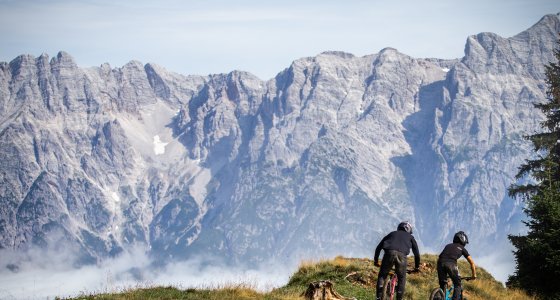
(262, 37)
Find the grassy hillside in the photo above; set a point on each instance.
(352, 277)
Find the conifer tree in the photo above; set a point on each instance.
(537, 253)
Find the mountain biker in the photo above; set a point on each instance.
(396, 246)
(447, 263)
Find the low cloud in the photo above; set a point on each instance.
(500, 264)
(43, 275)
(46, 274)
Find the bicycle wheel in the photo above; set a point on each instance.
(437, 294)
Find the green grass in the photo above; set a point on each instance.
(352, 277)
(233, 292)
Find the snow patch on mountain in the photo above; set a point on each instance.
(115, 197)
(159, 146)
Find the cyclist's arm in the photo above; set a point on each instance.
(473, 267)
(378, 251)
(416, 254)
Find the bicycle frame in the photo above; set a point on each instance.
(447, 293)
(389, 287)
(392, 285)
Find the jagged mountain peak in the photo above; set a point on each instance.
(388, 55)
(133, 65)
(388, 50)
(340, 54)
(487, 52)
(64, 58)
(550, 22)
(230, 165)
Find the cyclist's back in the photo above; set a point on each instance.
(396, 246)
(398, 240)
(452, 252)
(447, 263)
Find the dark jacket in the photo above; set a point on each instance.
(452, 252)
(401, 241)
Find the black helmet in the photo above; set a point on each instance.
(461, 238)
(405, 226)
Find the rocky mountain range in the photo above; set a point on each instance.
(323, 159)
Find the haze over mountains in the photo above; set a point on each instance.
(324, 159)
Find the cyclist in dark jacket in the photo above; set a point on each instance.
(396, 246)
(447, 263)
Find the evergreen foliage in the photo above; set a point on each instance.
(537, 253)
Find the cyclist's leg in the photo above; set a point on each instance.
(400, 270)
(386, 265)
(454, 274)
(442, 275)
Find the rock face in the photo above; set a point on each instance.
(323, 159)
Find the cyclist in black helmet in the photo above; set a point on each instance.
(396, 246)
(447, 263)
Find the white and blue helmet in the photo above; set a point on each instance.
(461, 238)
(405, 226)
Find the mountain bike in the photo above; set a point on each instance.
(439, 294)
(390, 286)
